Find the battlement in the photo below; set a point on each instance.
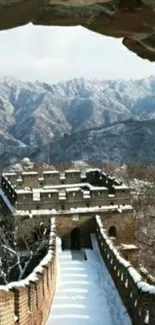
(27, 302)
(33, 179)
(74, 199)
(138, 296)
(63, 191)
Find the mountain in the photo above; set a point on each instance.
(122, 142)
(77, 119)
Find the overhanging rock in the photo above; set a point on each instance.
(132, 20)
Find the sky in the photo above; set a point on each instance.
(54, 54)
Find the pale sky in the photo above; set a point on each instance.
(53, 54)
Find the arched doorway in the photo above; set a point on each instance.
(112, 232)
(75, 239)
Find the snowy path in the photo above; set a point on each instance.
(85, 292)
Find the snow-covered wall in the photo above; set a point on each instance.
(28, 302)
(62, 191)
(137, 295)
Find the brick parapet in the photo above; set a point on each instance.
(28, 302)
(95, 189)
(138, 296)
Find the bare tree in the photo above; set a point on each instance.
(109, 168)
(19, 248)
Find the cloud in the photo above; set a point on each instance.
(52, 54)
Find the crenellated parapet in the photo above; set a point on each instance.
(71, 189)
(137, 295)
(28, 301)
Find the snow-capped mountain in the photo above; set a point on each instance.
(97, 119)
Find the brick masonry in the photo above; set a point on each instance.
(92, 189)
(123, 223)
(138, 296)
(28, 302)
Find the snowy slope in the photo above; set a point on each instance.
(31, 112)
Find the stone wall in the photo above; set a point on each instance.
(51, 178)
(123, 224)
(67, 221)
(28, 302)
(35, 179)
(32, 191)
(122, 221)
(65, 225)
(138, 296)
(72, 199)
(22, 193)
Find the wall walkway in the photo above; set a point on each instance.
(85, 292)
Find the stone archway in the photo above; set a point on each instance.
(75, 238)
(112, 232)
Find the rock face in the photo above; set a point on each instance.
(77, 119)
(132, 20)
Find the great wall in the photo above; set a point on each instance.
(28, 301)
(96, 217)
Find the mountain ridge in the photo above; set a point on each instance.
(32, 115)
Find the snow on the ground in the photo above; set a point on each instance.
(85, 292)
